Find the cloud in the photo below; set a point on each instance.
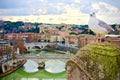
(42, 0)
(70, 15)
(107, 12)
(15, 12)
(77, 1)
(39, 11)
(111, 2)
(104, 7)
(2, 11)
(59, 11)
(8, 4)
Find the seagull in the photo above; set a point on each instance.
(99, 27)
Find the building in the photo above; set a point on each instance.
(27, 37)
(80, 40)
(28, 26)
(5, 46)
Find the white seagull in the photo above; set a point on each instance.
(99, 27)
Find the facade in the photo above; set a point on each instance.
(72, 39)
(27, 37)
(28, 26)
(80, 40)
(41, 29)
(5, 51)
(4, 46)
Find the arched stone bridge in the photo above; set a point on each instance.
(44, 57)
(29, 46)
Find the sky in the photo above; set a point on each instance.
(60, 11)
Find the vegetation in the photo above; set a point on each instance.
(103, 60)
(73, 33)
(17, 27)
(19, 44)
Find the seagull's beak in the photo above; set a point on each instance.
(90, 14)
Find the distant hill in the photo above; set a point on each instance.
(19, 26)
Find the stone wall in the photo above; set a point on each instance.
(74, 72)
(96, 61)
(113, 40)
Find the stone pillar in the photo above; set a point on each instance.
(3, 67)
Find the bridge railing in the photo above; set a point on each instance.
(54, 56)
(46, 56)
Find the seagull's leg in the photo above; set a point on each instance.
(101, 38)
(97, 38)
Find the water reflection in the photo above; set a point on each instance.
(31, 66)
(54, 66)
(43, 79)
(54, 79)
(30, 79)
(41, 74)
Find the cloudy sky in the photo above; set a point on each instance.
(59, 11)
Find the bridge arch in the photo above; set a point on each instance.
(35, 44)
(36, 47)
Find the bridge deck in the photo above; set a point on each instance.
(45, 57)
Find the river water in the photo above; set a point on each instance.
(20, 74)
(41, 74)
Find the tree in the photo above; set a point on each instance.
(19, 44)
(8, 49)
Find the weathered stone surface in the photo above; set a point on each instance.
(96, 61)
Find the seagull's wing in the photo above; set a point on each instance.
(104, 25)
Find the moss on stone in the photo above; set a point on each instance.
(104, 49)
(103, 60)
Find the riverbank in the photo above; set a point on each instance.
(13, 68)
